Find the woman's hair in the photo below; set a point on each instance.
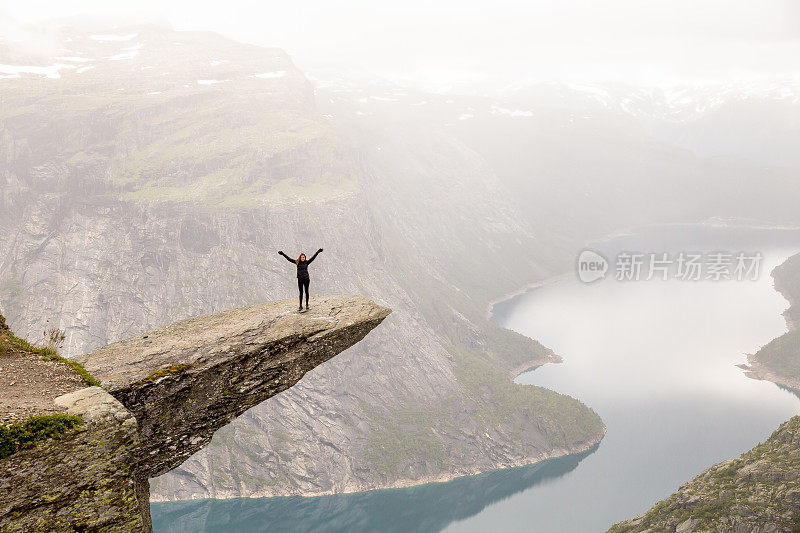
(299, 257)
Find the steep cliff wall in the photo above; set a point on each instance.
(81, 482)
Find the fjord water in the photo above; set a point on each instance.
(656, 359)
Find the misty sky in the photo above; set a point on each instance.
(436, 43)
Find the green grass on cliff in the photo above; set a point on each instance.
(569, 421)
(9, 341)
(173, 370)
(38, 428)
(50, 354)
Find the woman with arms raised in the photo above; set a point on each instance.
(303, 279)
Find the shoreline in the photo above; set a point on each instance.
(791, 325)
(551, 356)
(489, 312)
(533, 364)
(408, 483)
(634, 230)
(756, 369)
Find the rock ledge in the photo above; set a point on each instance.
(164, 394)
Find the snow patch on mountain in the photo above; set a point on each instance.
(497, 110)
(269, 75)
(676, 103)
(108, 37)
(74, 59)
(14, 71)
(123, 55)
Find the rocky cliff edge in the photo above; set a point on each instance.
(163, 395)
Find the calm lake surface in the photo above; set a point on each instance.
(656, 359)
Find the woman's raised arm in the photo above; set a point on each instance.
(315, 255)
(286, 256)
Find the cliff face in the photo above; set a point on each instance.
(757, 493)
(164, 395)
(82, 482)
(186, 380)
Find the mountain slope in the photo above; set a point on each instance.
(758, 492)
(160, 183)
(779, 360)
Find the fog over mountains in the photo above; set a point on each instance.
(149, 175)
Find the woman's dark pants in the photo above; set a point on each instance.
(302, 283)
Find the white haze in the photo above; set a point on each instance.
(439, 45)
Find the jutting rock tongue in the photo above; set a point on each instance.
(186, 380)
(172, 388)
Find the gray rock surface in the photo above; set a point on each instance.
(93, 403)
(82, 482)
(186, 380)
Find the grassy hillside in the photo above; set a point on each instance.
(779, 360)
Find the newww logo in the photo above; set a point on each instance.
(591, 266)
